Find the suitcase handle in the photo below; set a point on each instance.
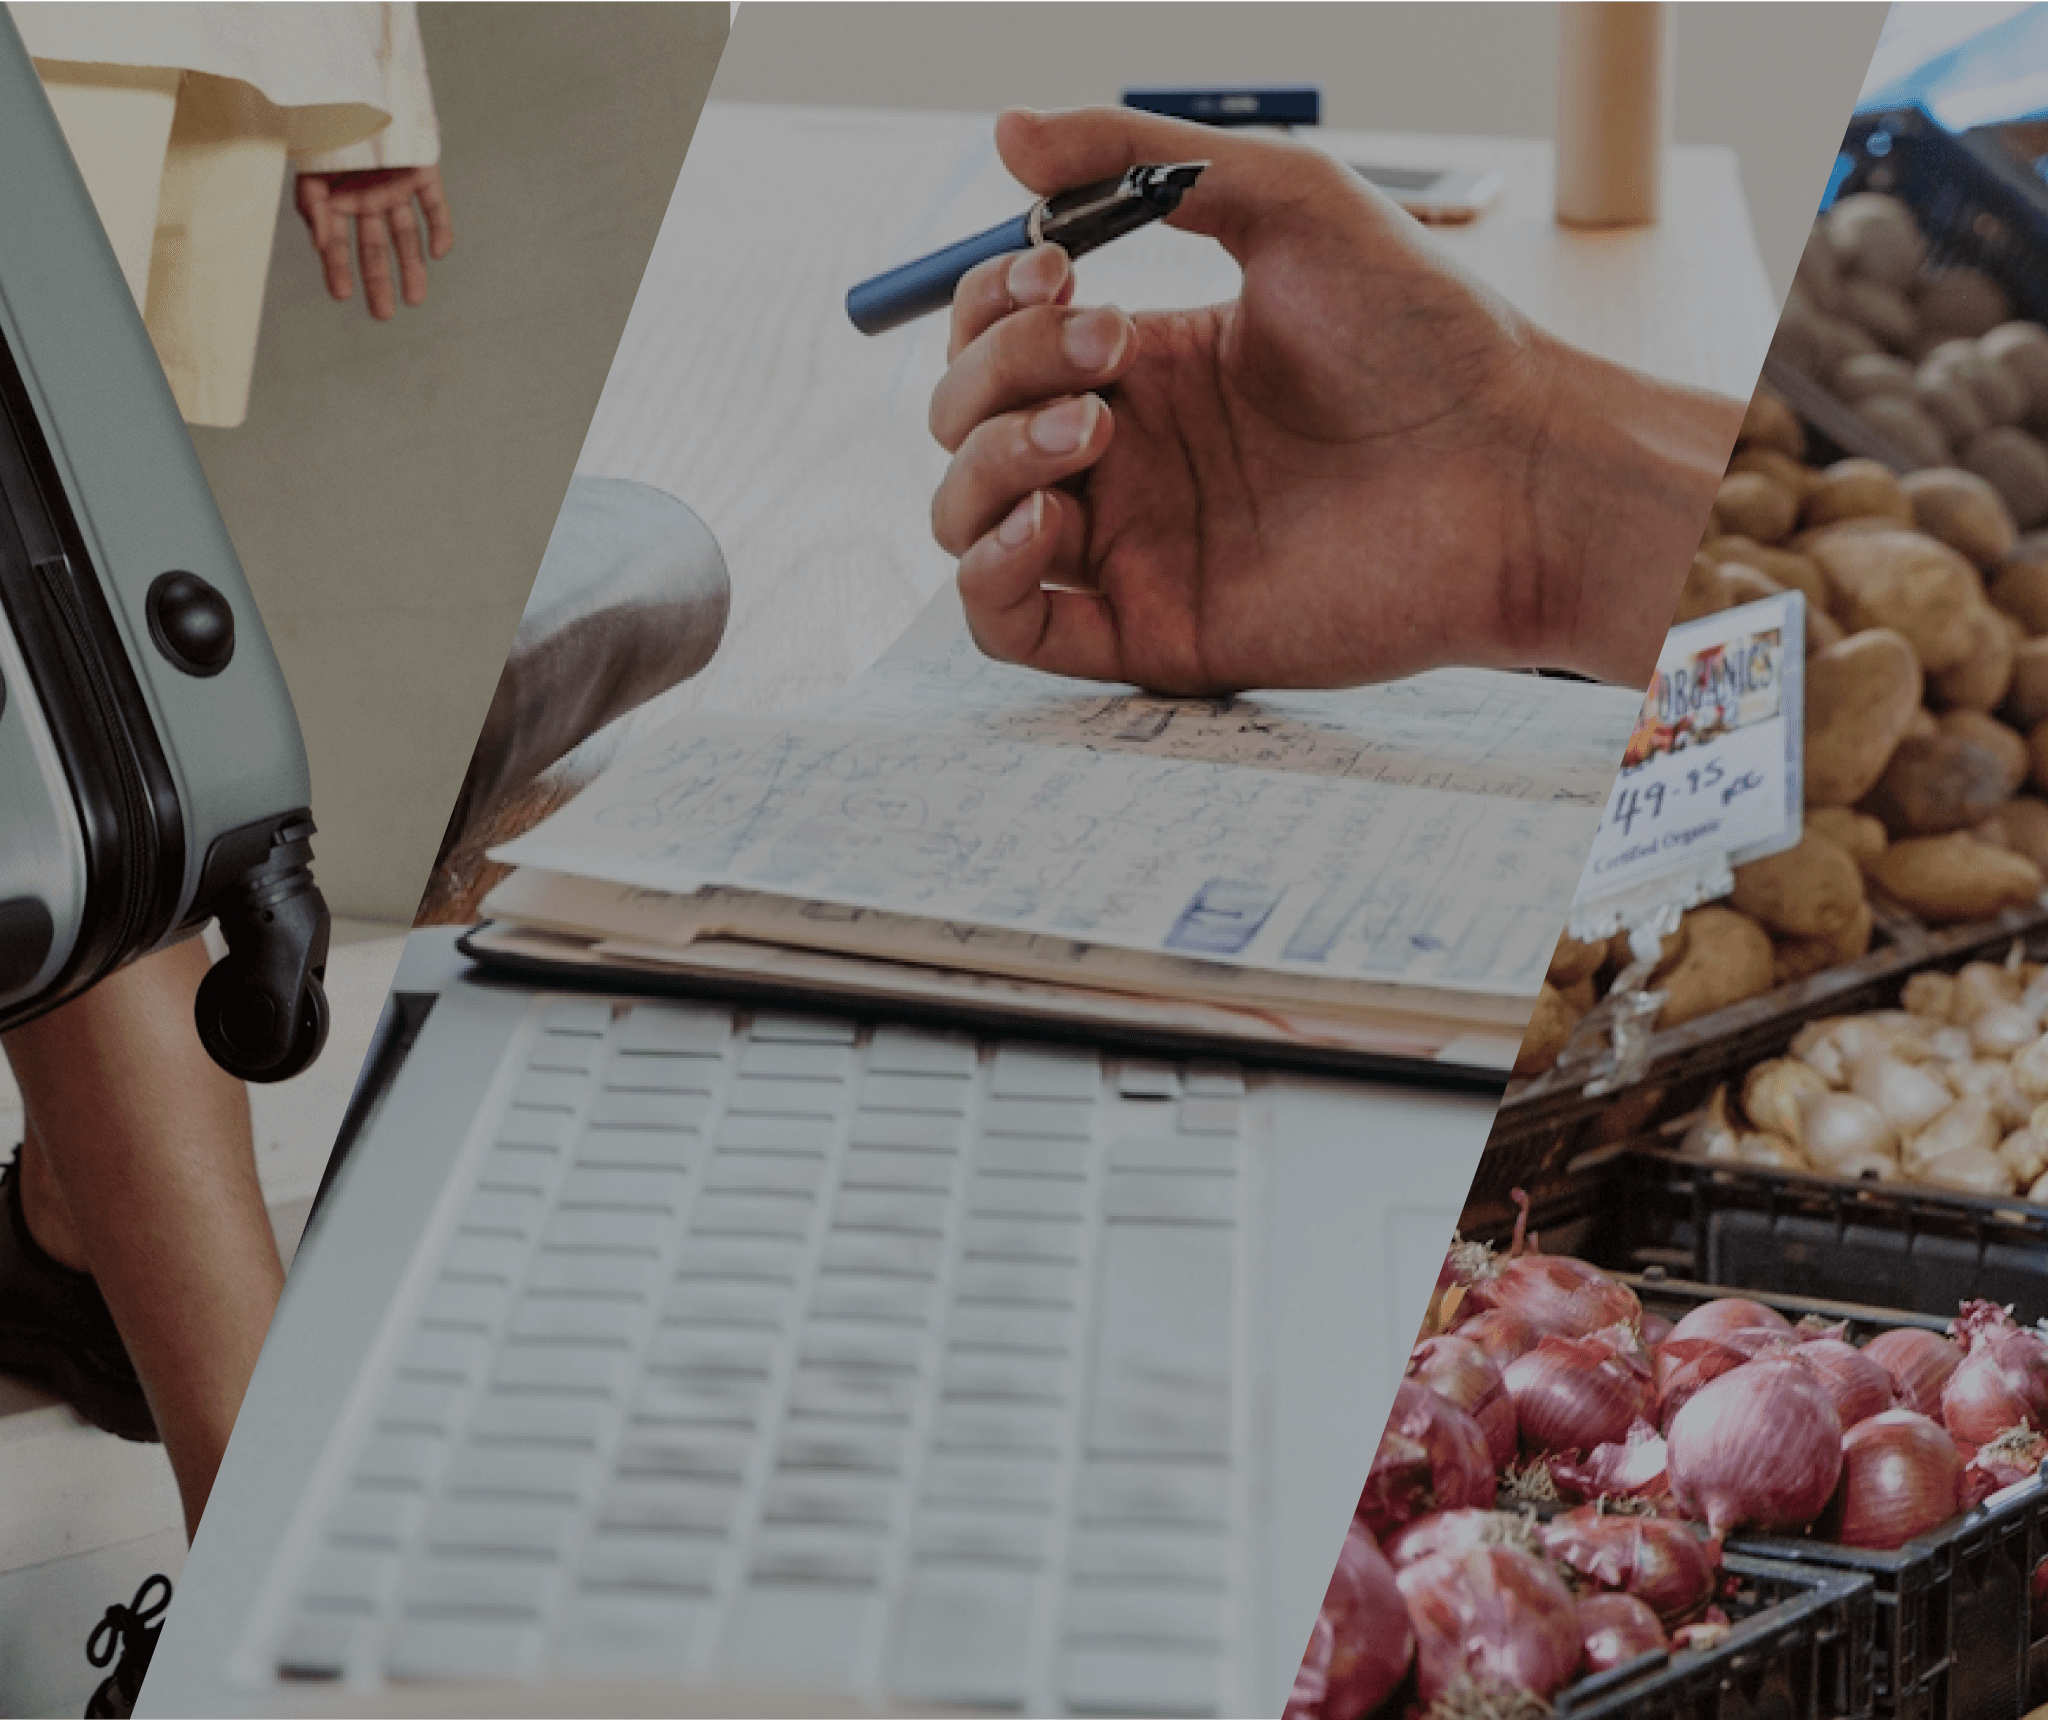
(262, 1009)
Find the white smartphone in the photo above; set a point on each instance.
(1446, 196)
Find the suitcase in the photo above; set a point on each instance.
(152, 775)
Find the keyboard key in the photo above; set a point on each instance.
(709, 1302)
(324, 1645)
(615, 1109)
(966, 1635)
(1004, 1374)
(844, 1392)
(1045, 1331)
(1056, 1119)
(566, 1053)
(1215, 1154)
(489, 1259)
(608, 1232)
(883, 1253)
(752, 1096)
(689, 1349)
(539, 1090)
(802, 1634)
(1037, 1155)
(905, 1051)
(819, 1553)
(958, 1480)
(813, 1497)
(571, 1367)
(650, 1449)
(541, 1131)
(634, 1149)
(669, 1027)
(1210, 1116)
(737, 1172)
(862, 1344)
(800, 1060)
(458, 1357)
(1214, 1080)
(538, 1475)
(918, 1131)
(578, 1272)
(628, 1632)
(801, 1029)
(1163, 1197)
(779, 1134)
(825, 1443)
(670, 1503)
(375, 1517)
(752, 1215)
(1194, 1495)
(701, 1399)
(921, 1095)
(969, 1424)
(999, 1194)
(528, 1419)
(651, 1562)
(1166, 1336)
(654, 1191)
(1044, 1072)
(689, 1082)
(582, 1016)
(764, 1259)
(897, 1168)
(443, 1648)
(1128, 1554)
(1130, 1679)
(865, 1209)
(1013, 1283)
(421, 1406)
(520, 1170)
(1056, 1241)
(504, 1588)
(357, 1580)
(606, 1320)
(872, 1296)
(978, 1535)
(503, 1212)
(501, 1527)
(1141, 1080)
(1197, 1619)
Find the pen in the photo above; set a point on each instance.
(1079, 221)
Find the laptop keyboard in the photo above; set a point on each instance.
(754, 1348)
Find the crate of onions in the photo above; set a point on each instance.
(1672, 1445)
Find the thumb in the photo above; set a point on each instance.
(1252, 183)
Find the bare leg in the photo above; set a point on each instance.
(139, 1167)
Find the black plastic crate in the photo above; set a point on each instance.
(1800, 1650)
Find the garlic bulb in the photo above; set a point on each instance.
(1712, 1135)
(1952, 1044)
(1773, 1152)
(2025, 1155)
(1774, 1091)
(1930, 994)
(1837, 1125)
(2003, 1029)
(1967, 1125)
(1981, 986)
(1991, 1079)
(1910, 1096)
(2030, 1069)
(1969, 1169)
(2039, 1190)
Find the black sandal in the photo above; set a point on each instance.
(133, 1630)
(55, 1331)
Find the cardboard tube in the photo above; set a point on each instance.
(1613, 111)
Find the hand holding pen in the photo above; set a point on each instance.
(1363, 466)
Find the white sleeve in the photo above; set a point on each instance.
(413, 138)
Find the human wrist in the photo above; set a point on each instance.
(1622, 475)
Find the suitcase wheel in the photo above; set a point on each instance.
(238, 1016)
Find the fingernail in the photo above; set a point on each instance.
(1094, 339)
(1022, 525)
(1035, 278)
(1065, 428)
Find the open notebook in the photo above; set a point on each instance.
(1370, 876)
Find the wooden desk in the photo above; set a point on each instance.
(741, 387)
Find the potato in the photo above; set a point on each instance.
(1953, 408)
(1770, 423)
(1962, 301)
(1913, 584)
(1810, 890)
(1818, 276)
(1550, 1025)
(1756, 506)
(1875, 375)
(1780, 467)
(1879, 310)
(1980, 681)
(1796, 958)
(2021, 589)
(1876, 237)
(2026, 697)
(1728, 957)
(2017, 466)
(1952, 878)
(1950, 780)
(1907, 428)
(1719, 546)
(1745, 584)
(1860, 835)
(1573, 961)
(1861, 697)
(1580, 995)
(2022, 349)
(1958, 364)
(1962, 510)
(1793, 571)
(2020, 826)
(1703, 592)
(1854, 490)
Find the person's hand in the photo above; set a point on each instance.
(379, 202)
(1364, 466)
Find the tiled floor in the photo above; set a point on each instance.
(85, 1517)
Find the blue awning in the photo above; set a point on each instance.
(1966, 64)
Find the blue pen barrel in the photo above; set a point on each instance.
(919, 288)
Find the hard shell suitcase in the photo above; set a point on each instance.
(152, 775)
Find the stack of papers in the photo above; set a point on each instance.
(1382, 870)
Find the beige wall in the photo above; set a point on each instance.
(1774, 82)
(393, 487)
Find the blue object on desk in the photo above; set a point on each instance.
(1281, 104)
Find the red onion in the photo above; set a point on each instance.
(1371, 1639)
(2002, 1380)
(1432, 1457)
(1900, 1477)
(1458, 1532)
(1637, 1468)
(1572, 1394)
(1758, 1448)
(1919, 1362)
(1682, 1365)
(2015, 1455)
(1559, 1296)
(1312, 1677)
(1495, 1617)
(1858, 1387)
(1615, 1630)
(1653, 1329)
(1503, 1336)
(1456, 1368)
(1728, 1314)
(1666, 1564)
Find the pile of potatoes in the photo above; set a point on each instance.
(1949, 1090)
(1926, 740)
(1930, 358)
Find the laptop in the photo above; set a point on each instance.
(720, 1350)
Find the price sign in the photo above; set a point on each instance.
(1711, 777)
